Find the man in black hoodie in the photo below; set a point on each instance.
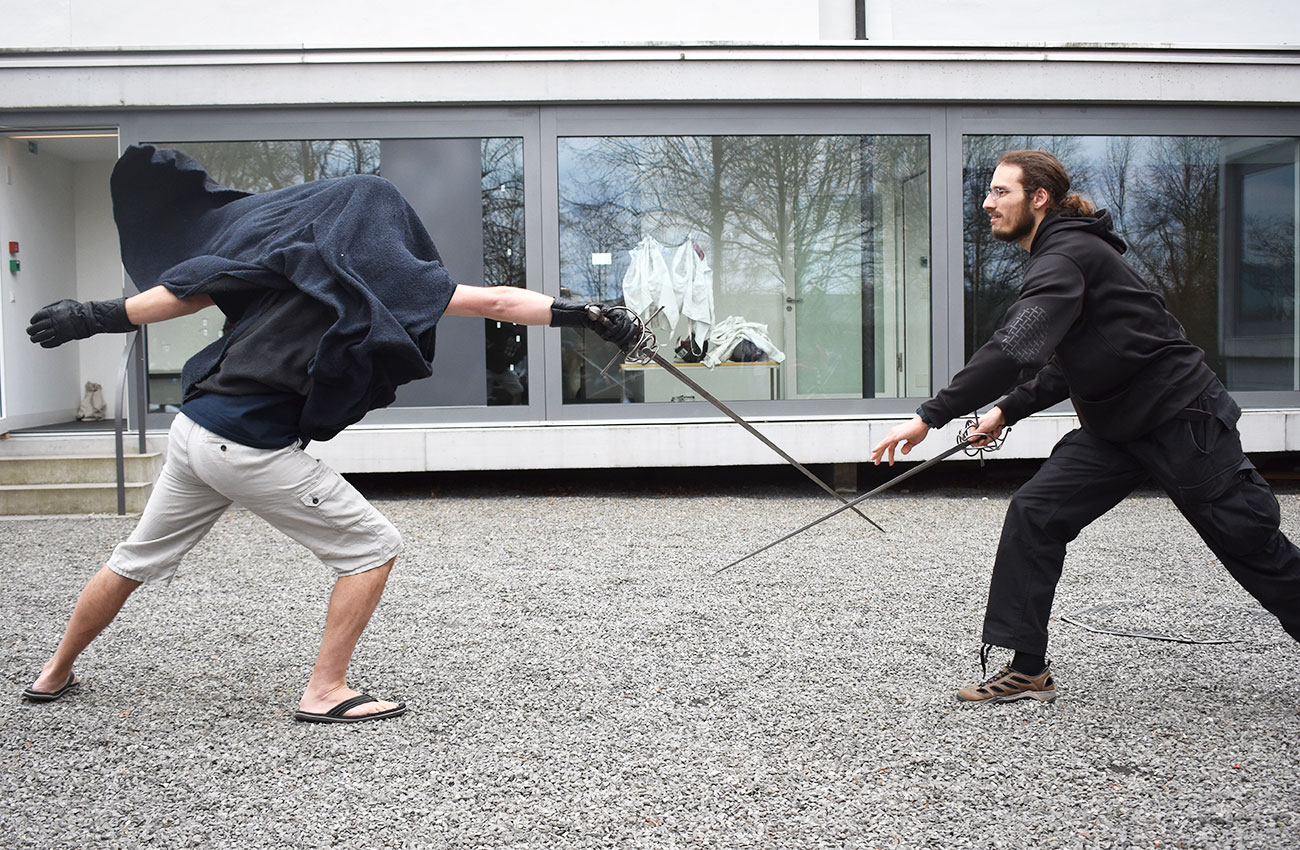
(1148, 405)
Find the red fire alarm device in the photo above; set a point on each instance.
(13, 247)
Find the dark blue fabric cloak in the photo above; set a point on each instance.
(352, 243)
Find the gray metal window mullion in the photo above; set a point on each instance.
(548, 168)
(535, 255)
(1295, 264)
(949, 309)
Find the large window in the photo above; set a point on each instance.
(1211, 224)
(772, 267)
(469, 194)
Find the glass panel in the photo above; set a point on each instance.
(775, 267)
(1260, 237)
(1211, 225)
(502, 188)
(468, 192)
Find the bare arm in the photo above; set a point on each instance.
(525, 307)
(503, 303)
(158, 304)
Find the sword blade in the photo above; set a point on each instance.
(672, 369)
(882, 488)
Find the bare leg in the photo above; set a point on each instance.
(351, 604)
(99, 602)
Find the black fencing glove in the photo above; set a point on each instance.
(66, 320)
(616, 326)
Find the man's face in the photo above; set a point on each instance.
(1008, 205)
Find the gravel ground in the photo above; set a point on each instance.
(578, 678)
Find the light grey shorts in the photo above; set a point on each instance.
(293, 491)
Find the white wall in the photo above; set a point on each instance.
(434, 23)
(36, 210)
(613, 445)
(990, 22)
(99, 272)
(424, 23)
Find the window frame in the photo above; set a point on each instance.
(729, 120)
(241, 125)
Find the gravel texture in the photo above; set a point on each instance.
(578, 678)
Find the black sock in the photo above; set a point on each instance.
(1030, 665)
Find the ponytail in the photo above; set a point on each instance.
(1076, 204)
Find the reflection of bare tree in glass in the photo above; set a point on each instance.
(599, 214)
(503, 212)
(1173, 233)
(269, 165)
(802, 215)
(598, 220)
(1162, 193)
(502, 186)
(688, 181)
(1115, 177)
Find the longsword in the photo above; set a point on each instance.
(962, 444)
(645, 352)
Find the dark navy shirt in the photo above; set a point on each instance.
(267, 421)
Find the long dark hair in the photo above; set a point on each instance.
(1042, 170)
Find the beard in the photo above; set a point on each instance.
(1017, 226)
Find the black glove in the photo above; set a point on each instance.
(616, 326)
(66, 320)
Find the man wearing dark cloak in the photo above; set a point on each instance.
(332, 291)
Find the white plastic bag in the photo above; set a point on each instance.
(92, 403)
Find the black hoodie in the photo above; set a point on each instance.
(1095, 334)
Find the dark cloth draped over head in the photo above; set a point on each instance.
(353, 244)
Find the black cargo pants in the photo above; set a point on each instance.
(1197, 458)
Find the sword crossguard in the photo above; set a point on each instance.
(990, 444)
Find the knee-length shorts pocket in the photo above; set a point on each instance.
(307, 500)
(341, 527)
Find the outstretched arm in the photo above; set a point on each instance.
(526, 307)
(502, 303)
(66, 320)
(158, 304)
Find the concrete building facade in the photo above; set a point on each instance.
(808, 171)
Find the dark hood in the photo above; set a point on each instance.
(352, 243)
(161, 199)
(1099, 224)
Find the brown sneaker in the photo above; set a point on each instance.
(1009, 685)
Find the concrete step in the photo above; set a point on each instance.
(28, 443)
(76, 469)
(37, 499)
(74, 474)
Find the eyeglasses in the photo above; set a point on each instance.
(1000, 192)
